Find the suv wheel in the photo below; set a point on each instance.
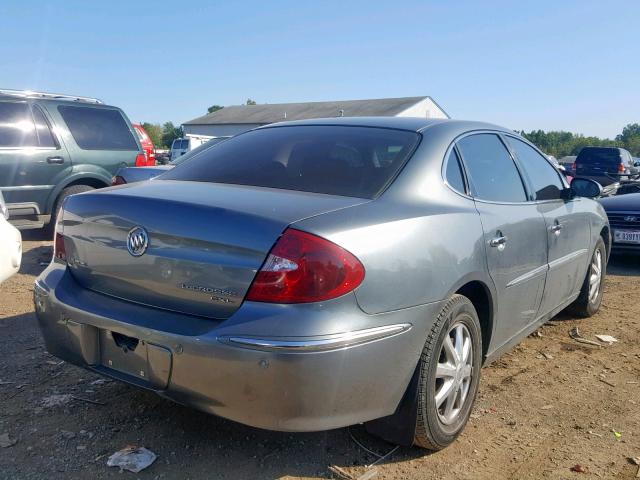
(449, 374)
(590, 298)
(72, 190)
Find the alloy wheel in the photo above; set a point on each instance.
(453, 373)
(595, 277)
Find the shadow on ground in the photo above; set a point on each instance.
(624, 264)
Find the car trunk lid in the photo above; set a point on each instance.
(205, 241)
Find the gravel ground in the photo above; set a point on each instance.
(547, 406)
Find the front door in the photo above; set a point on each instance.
(31, 159)
(514, 233)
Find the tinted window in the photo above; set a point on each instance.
(543, 177)
(197, 150)
(337, 160)
(43, 131)
(606, 156)
(16, 126)
(98, 128)
(180, 144)
(492, 174)
(454, 173)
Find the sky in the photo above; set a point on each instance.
(551, 65)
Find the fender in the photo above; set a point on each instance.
(90, 172)
(487, 282)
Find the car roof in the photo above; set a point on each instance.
(414, 124)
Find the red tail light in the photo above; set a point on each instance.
(620, 168)
(118, 180)
(59, 252)
(141, 160)
(302, 267)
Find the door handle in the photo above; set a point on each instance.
(556, 229)
(498, 242)
(55, 160)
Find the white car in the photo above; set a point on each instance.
(10, 244)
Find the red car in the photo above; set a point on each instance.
(147, 146)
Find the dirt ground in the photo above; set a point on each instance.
(545, 407)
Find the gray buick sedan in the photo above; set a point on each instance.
(310, 275)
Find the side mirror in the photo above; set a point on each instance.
(585, 187)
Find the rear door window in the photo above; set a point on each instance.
(45, 137)
(16, 126)
(544, 178)
(335, 160)
(492, 174)
(98, 128)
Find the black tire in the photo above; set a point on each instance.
(584, 306)
(72, 190)
(431, 432)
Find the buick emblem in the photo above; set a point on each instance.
(137, 241)
(630, 219)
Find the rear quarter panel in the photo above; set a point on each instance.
(419, 242)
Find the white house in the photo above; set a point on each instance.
(240, 118)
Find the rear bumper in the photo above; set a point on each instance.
(279, 367)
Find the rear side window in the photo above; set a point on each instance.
(16, 126)
(454, 172)
(544, 178)
(492, 173)
(98, 128)
(335, 160)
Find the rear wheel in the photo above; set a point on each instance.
(449, 374)
(72, 190)
(590, 298)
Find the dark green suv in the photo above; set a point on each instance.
(53, 146)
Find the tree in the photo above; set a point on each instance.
(154, 131)
(561, 143)
(214, 108)
(630, 138)
(250, 102)
(169, 133)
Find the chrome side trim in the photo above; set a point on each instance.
(567, 258)
(527, 276)
(27, 187)
(315, 344)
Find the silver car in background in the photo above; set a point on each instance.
(311, 275)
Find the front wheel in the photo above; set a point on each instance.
(590, 298)
(449, 374)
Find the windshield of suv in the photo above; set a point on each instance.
(335, 160)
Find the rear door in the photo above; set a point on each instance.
(514, 232)
(99, 138)
(568, 231)
(32, 159)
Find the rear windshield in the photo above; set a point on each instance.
(335, 160)
(197, 150)
(599, 155)
(98, 128)
(180, 144)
